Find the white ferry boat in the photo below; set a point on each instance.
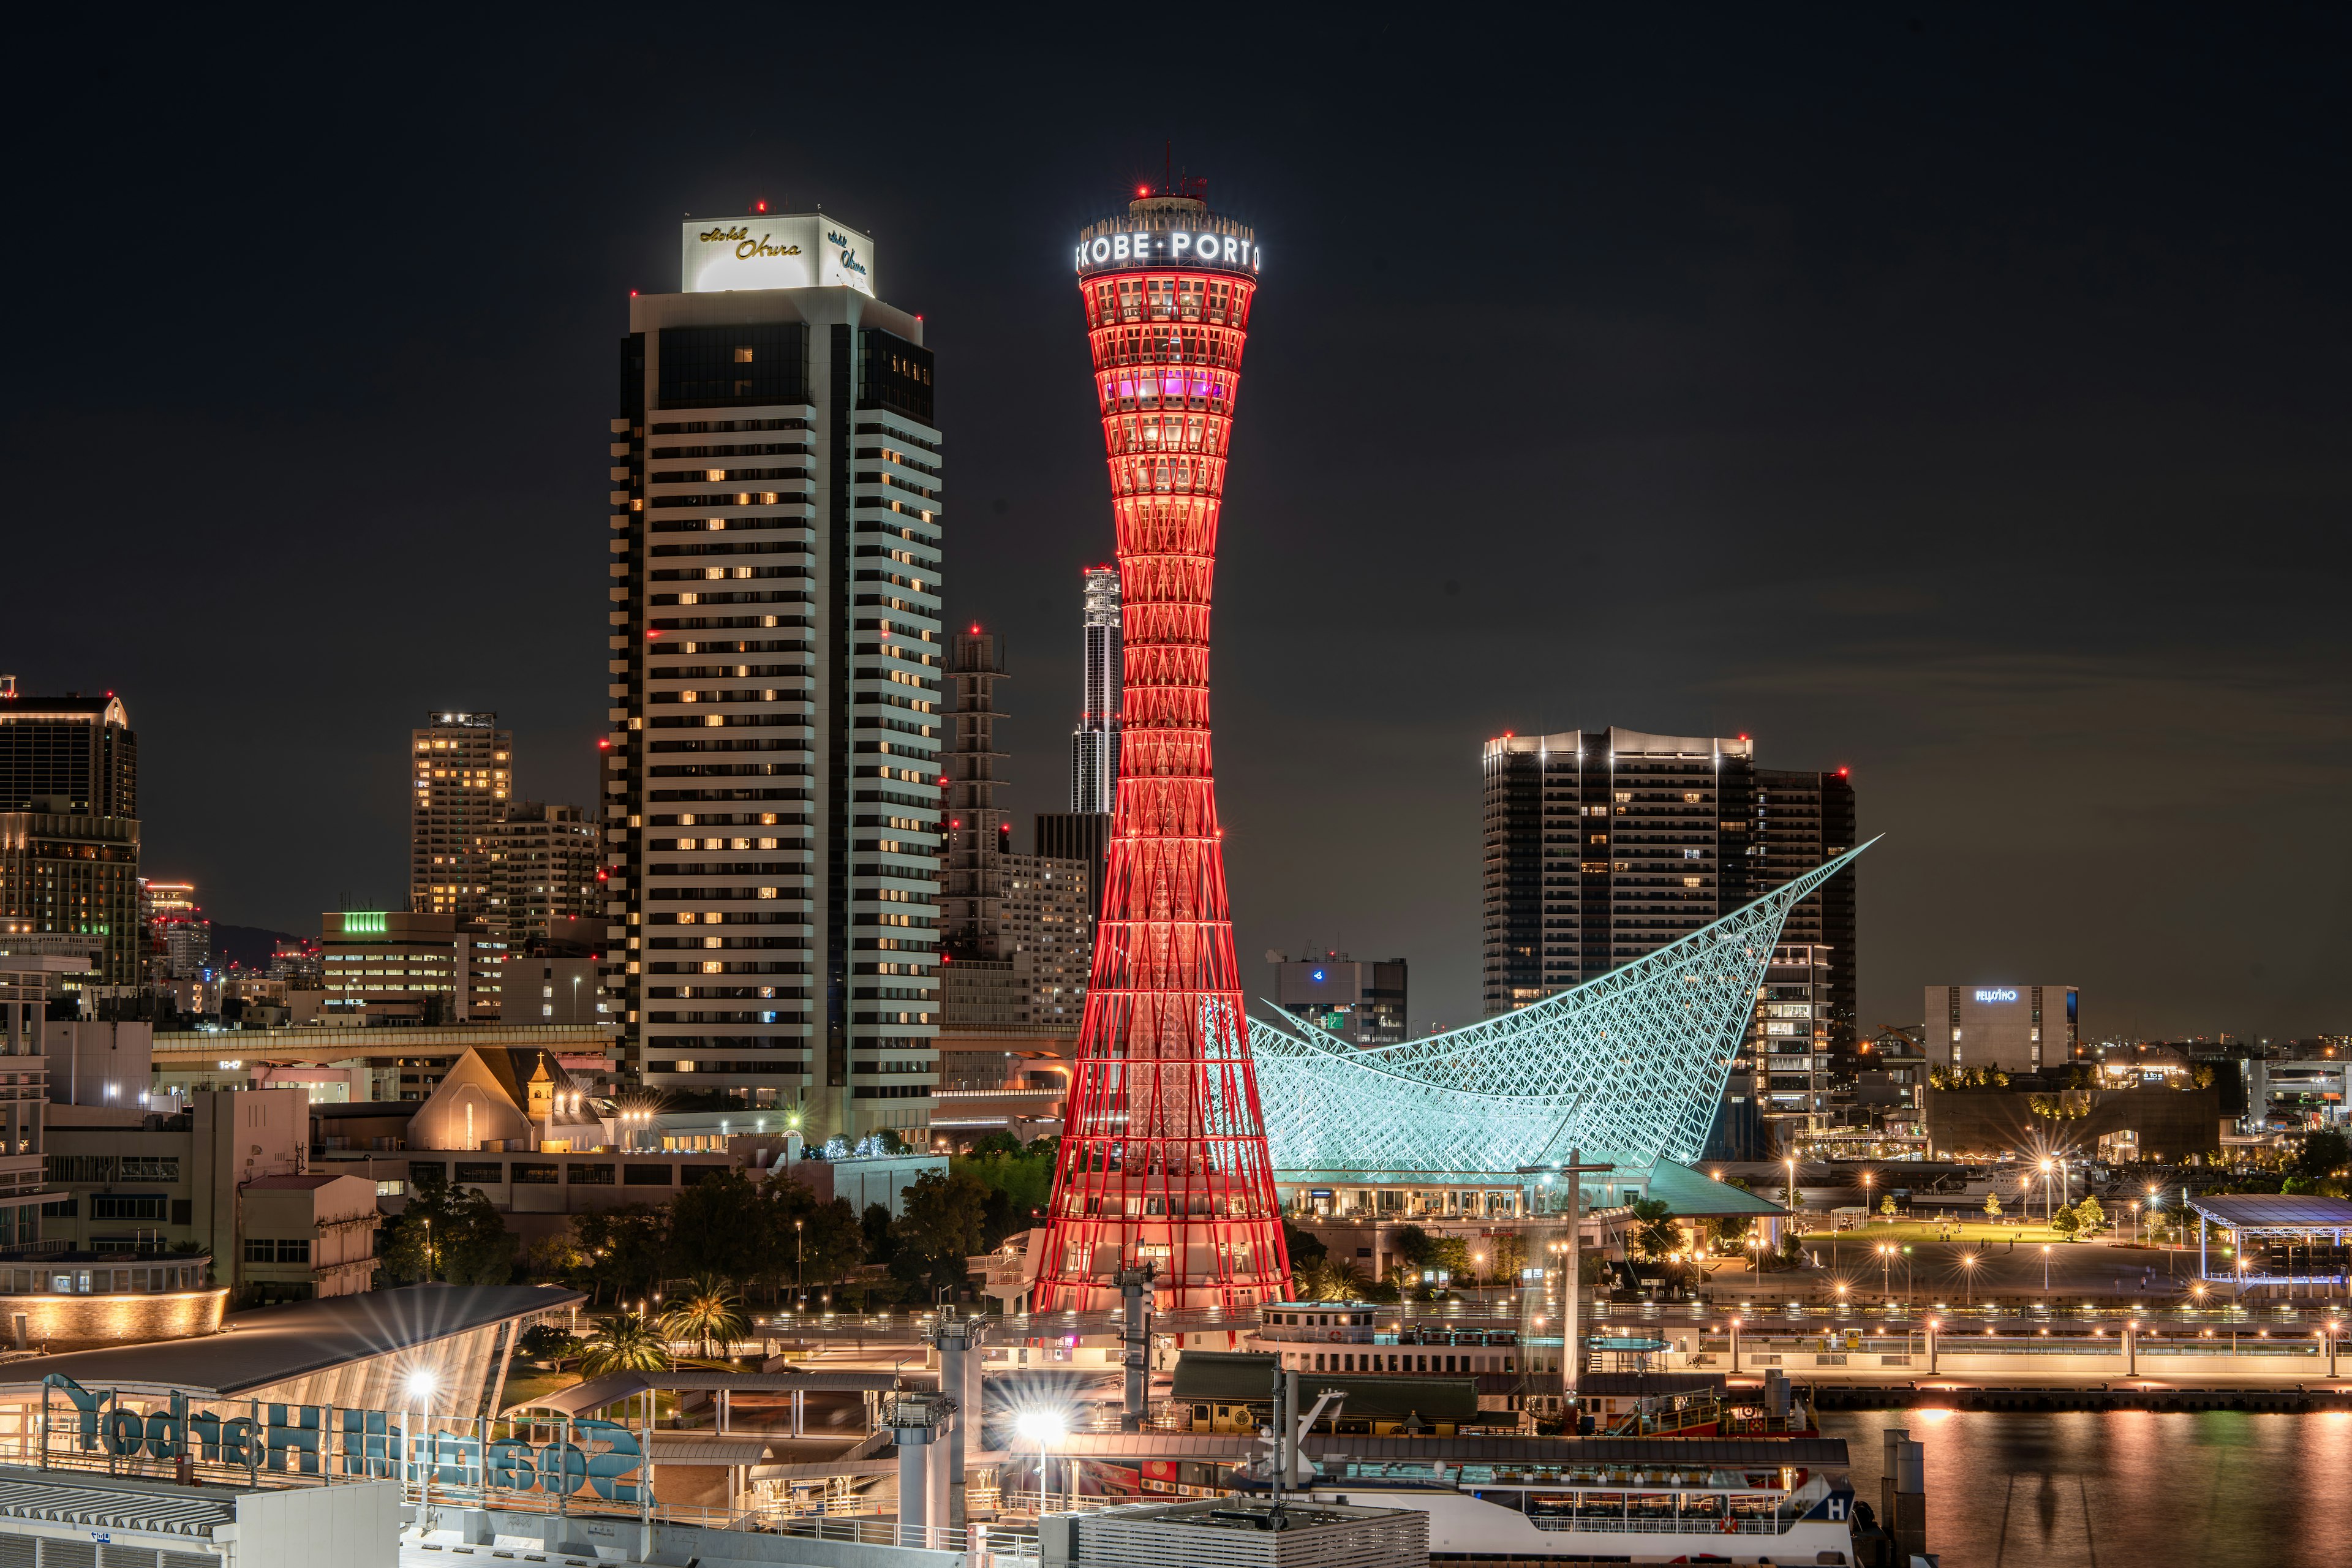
(1786, 1502)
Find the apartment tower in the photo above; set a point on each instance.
(772, 778)
(461, 770)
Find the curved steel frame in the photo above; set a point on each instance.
(1633, 1062)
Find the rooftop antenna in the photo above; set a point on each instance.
(1168, 166)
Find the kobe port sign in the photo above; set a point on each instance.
(1176, 246)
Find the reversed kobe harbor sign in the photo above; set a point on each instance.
(300, 1439)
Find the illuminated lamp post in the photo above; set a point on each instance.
(2045, 1269)
(1165, 1141)
(1969, 1278)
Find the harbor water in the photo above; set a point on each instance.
(2119, 1489)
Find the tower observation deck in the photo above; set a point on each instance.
(1163, 1158)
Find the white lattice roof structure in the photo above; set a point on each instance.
(1633, 1063)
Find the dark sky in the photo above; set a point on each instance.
(1957, 394)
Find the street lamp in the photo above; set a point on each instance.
(1886, 1269)
(2048, 1215)
(1791, 1162)
(800, 1286)
(1969, 1275)
(2045, 1269)
(1045, 1428)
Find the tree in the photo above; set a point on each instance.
(2323, 1154)
(1303, 1247)
(1453, 1254)
(721, 1228)
(710, 1314)
(547, 1343)
(454, 1234)
(881, 1242)
(997, 1142)
(2091, 1215)
(1329, 1279)
(1992, 1205)
(832, 1244)
(1886, 1204)
(558, 1257)
(626, 1247)
(1413, 1246)
(2066, 1223)
(625, 1342)
(1652, 1232)
(1508, 1255)
(939, 1229)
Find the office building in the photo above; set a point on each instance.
(393, 967)
(1363, 1003)
(1094, 745)
(1016, 928)
(462, 775)
(773, 776)
(2007, 1028)
(70, 825)
(1602, 845)
(543, 869)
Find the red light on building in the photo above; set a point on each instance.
(1842, 772)
(1163, 1157)
(759, 206)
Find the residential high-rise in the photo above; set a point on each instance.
(461, 775)
(1604, 844)
(1800, 820)
(1094, 745)
(1163, 1157)
(542, 869)
(772, 781)
(70, 825)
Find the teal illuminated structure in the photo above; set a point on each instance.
(1634, 1062)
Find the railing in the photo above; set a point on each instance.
(1677, 1525)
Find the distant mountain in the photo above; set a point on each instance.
(248, 945)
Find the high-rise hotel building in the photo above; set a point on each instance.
(772, 778)
(1094, 745)
(69, 826)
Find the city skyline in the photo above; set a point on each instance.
(1798, 344)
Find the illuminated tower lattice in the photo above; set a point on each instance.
(1164, 1156)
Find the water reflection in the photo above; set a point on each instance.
(2121, 1487)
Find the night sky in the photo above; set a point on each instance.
(1958, 395)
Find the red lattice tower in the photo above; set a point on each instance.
(1164, 1152)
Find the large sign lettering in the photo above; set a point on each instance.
(296, 1439)
(1176, 248)
(763, 252)
(1996, 993)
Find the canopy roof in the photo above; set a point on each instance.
(2296, 1212)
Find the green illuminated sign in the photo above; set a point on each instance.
(363, 923)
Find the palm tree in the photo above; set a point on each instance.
(707, 1311)
(1329, 1279)
(625, 1342)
